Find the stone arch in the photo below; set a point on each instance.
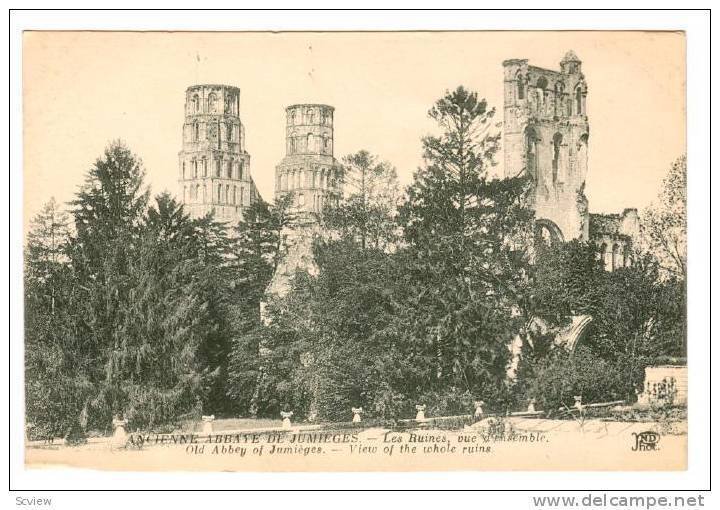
(183, 169)
(195, 104)
(571, 336)
(547, 232)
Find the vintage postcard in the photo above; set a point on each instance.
(355, 251)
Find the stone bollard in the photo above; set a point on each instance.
(531, 405)
(357, 411)
(420, 416)
(286, 415)
(479, 409)
(207, 427)
(578, 403)
(119, 437)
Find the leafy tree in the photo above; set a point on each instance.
(54, 392)
(367, 209)
(664, 223)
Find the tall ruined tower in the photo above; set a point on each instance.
(309, 171)
(313, 177)
(545, 134)
(214, 167)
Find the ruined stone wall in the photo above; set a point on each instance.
(614, 235)
(545, 134)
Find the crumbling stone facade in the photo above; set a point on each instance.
(545, 134)
(614, 234)
(214, 167)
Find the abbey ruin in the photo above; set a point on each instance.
(546, 134)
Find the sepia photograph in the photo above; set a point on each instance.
(355, 251)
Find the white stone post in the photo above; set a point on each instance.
(286, 415)
(207, 427)
(578, 403)
(119, 437)
(531, 405)
(420, 408)
(479, 409)
(357, 412)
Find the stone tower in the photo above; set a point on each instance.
(214, 167)
(314, 178)
(545, 134)
(309, 171)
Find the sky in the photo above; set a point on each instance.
(83, 89)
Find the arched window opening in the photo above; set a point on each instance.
(183, 169)
(204, 167)
(227, 193)
(557, 142)
(230, 133)
(520, 87)
(531, 153)
(311, 116)
(242, 195)
(195, 103)
(617, 261)
(212, 103)
(578, 101)
(197, 192)
(607, 254)
(240, 169)
(195, 173)
(234, 195)
(310, 143)
(204, 196)
(219, 194)
(229, 169)
(196, 132)
(218, 164)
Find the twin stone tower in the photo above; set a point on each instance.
(545, 134)
(214, 164)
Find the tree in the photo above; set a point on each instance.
(664, 223)
(262, 240)
(53, 391)
(467, 236)
(369, 203)
(108, 213)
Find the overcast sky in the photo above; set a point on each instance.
(83, 89)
